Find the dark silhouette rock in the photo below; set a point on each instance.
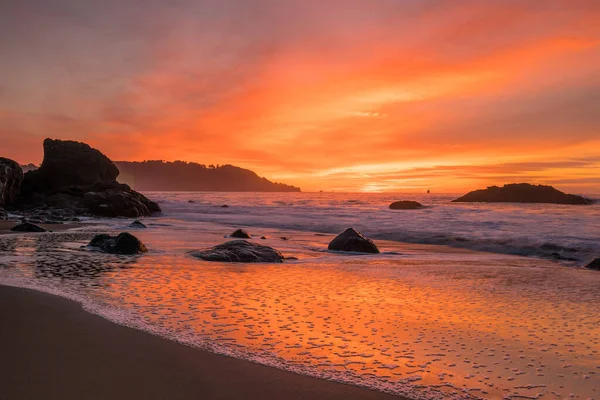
(3, 214)
(191, 201)
(351, 240)
(124, 243)
(241, 234)
(522, 193)
(594, 264)
(224, 206)
(69, 163)
(405, 205)
(138, 224)
(27, 227)
(263, 237)
(240, 251)
(119, 201)
(184, 176)
(78, 179)
(11, 178)
(284, 238)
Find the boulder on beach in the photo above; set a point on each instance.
(11, 178)
(352, 240)
(594, 264)
(78, 179)
(27, 227)
(124, 243)
(240, 234)
(522, 193)
(240, 251)
(137, 224)
(405, 205)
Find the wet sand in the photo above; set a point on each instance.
(51, 348)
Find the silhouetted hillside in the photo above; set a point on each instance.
(183, 176)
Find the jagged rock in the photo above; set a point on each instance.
(11, 178)
(241, 234)
(522, 193)
(405, 205)
(27, 227)
(137, 224)
(594, 264)
(124, 243)
(69, 163)
(3, 214)
(240, 251)
(351, 240)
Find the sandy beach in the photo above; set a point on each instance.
(52, 349)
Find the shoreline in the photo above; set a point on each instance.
(52, 348)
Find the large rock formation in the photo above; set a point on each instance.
(240, 251)
(78, 179)
(352, 240)
(11, 178)
(124, 243)
(68, 163)
(405, 205)
(522, 193)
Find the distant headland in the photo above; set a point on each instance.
(184, 176)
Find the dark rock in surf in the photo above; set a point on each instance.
(240, 234)
(137, 224)
(594, 264)
(124, 243)
(11, 179)
(263, 238)
(405, 205)
(191, 201)
(522, 193)
(27, 227)
(351, 240)
(224, 206)
(240, 251)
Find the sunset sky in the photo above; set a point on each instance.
(345, 95)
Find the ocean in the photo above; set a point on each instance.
(482, 301)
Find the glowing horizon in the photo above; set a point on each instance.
(399, 96)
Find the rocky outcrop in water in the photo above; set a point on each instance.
(522, 193)
(77, 179)
(352, 240)
(11, 179)
(405, 205)
(240, 234)
(124, 243)
(27, 227)
(594, 264)
(240, 251)
(138, 224)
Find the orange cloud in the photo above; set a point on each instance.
(344, 95)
